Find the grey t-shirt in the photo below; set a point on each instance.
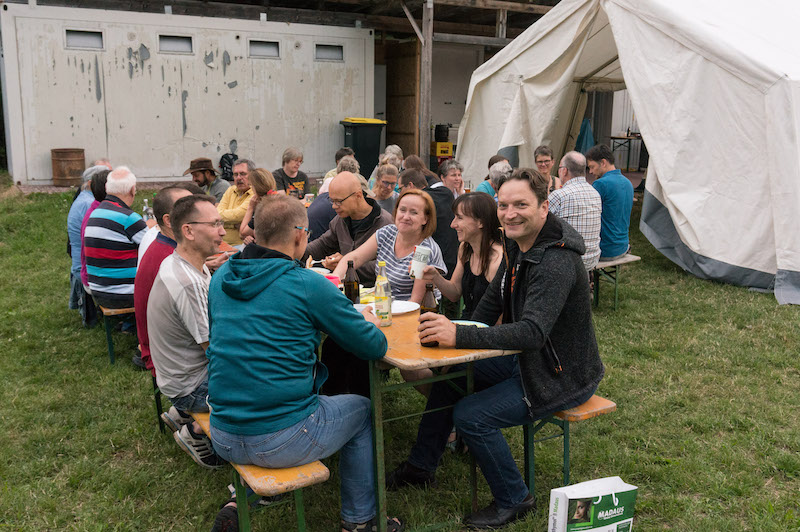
(177, 323)
(388, 203)
(217, 188)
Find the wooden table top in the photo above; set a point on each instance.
(405, 352)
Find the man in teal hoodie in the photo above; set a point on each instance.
(266, 313)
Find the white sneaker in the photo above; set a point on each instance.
(200, 449)
(174, 419)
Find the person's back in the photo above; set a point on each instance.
(111, 241)
(320, 214)
(616, 192)
(579, 204)
(264, 380)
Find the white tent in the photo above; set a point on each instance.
(716, 91)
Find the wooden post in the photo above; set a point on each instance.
(502, 24)
(425, 83)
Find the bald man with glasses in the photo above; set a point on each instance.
(357, 218)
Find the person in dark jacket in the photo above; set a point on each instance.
(542, 292)
(357, 218)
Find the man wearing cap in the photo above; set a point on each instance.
(205, 176)
(357, 218)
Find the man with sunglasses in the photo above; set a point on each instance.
(357, 218)
(177, 322)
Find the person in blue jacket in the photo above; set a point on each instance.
(266, 313)
(616, 193)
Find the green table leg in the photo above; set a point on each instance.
(565, 428)
(375, 390)
(300, 510)
(242, 504)
(616, 287)
(109, 340)
(473, 474)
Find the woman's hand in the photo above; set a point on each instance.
(430, 273)
(248, 240)
(332, 261)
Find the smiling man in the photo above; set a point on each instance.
(542, 293)
(177, 322)
(233, 205)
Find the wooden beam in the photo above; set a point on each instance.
(471, 39)
(277, 14)
(502, 24)
(516, 7)
(413, 22)
(425, 82)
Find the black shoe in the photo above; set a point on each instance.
(493, 517)
(227, 520)
(138, 362)
(408, 475)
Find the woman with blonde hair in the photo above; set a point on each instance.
(263, 183)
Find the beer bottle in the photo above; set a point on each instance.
(383, 296)
(429, 305)
(350, 282)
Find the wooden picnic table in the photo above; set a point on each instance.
(405, 352)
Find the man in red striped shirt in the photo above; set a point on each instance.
(111, 241)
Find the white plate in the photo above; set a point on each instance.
(404, 307)
(359, 306)
(318, 269)
(467, 322)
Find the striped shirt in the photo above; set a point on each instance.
(397, 268)
(578, 204)
(111, 243)
(177, 323)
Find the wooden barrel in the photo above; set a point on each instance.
(68, 166)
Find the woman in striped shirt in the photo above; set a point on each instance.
(414, 223)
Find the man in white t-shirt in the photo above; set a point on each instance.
(177, 322)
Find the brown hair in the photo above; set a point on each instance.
(481, 207)
(430, 210)
(262, 181)
(183, 210)
(539, 183)
(276, 217)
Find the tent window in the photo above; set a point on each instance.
(175, 44)
(265, 49)
(91, 40)
(329, 52)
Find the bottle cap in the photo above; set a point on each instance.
(381, 263)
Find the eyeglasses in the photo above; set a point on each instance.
(215, 224)
(544, 163)
(388, 184)
(240, 174)
(339, 202)
(306, 229)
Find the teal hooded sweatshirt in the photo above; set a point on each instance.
(266, 313)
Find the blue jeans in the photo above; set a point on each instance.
(341, 422)
(479, 417)
(195, 401)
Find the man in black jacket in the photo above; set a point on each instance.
(542, 292)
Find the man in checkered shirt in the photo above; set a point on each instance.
(579, 204)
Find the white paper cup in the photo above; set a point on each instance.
(421, 258)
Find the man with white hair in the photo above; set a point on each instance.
(499, 170)
(578, 204)
(111, 242)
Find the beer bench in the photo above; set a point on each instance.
(609, 270)
(109, 313)
(270, 482)
(595, 406)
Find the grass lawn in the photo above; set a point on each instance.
(705, 377)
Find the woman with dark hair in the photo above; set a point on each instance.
(480, 252)
(98, 187)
